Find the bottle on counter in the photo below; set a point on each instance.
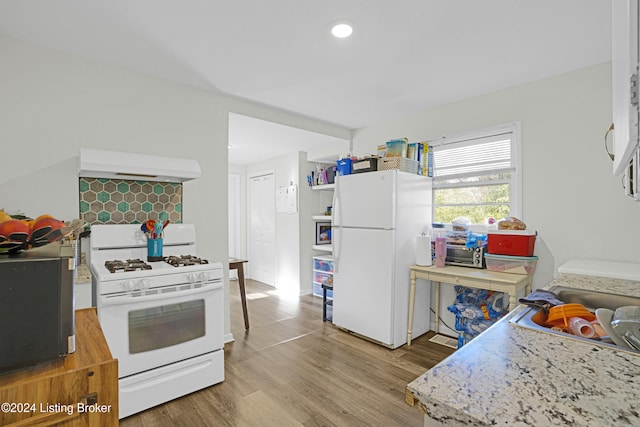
(439, 239)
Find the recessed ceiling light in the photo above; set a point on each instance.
(341, 30)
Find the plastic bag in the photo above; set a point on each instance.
(476, 310)
(475, 240)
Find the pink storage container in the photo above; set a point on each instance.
(511, 264)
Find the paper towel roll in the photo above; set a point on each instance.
(423, 250)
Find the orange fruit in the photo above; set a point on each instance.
(15, 230)
(45, 216)
(4, 216)
(46, 230)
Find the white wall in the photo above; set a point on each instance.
(242, 219)
(569, 193)
(53, 103)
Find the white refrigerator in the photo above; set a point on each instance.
(376, 218)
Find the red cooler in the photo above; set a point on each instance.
(511, 242)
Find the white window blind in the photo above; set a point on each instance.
(477, 174)
(473, 157)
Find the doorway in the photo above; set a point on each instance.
(262, 227)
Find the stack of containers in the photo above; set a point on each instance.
(511, 251)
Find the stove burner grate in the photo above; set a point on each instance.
(117, 265)
(185, 260)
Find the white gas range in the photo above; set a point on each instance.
(162, 320)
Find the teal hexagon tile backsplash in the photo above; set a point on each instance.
(123, 207)
(119, 201)
(103, 196)
(122, 187)
(104, 217)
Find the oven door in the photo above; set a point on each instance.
(148, 331)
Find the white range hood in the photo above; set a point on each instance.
(121, 165)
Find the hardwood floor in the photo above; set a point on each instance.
(293, 369)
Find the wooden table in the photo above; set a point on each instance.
(237, 264)
(478, 278)
(80, 389)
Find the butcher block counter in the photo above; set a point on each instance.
(514, 376)
(80, 389)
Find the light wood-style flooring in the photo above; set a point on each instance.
(292, 369)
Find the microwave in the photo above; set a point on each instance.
(37, 316)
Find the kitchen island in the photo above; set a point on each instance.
(513, 376)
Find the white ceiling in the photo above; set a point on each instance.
(404, 55)
(253, 140)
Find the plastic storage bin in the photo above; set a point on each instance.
(511, 264)
(322, 275)
(511, 242)
(343, 166)
(323, 264)
(396, 148)
(370, 164)
(400, 163)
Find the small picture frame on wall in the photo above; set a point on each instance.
(323, 233)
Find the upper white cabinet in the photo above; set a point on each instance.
(624, 72)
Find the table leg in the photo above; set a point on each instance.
(437, 309)
(512, 301)
(412, 297)
(324, 304)
(243, 295)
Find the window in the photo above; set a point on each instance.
(477, 175)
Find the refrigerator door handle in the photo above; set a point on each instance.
(335, 249)
(337, 223)
(335, 206)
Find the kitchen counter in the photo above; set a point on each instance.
(80, 389)
(510, 375)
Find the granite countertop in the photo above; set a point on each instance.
(510, 375)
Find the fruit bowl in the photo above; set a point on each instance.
(17, 235)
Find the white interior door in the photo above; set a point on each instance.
(262, 228)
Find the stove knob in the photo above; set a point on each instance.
(192, 277)
(128, 285)
(145, 284)
(205, 276)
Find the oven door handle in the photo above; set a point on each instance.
(128, 299)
